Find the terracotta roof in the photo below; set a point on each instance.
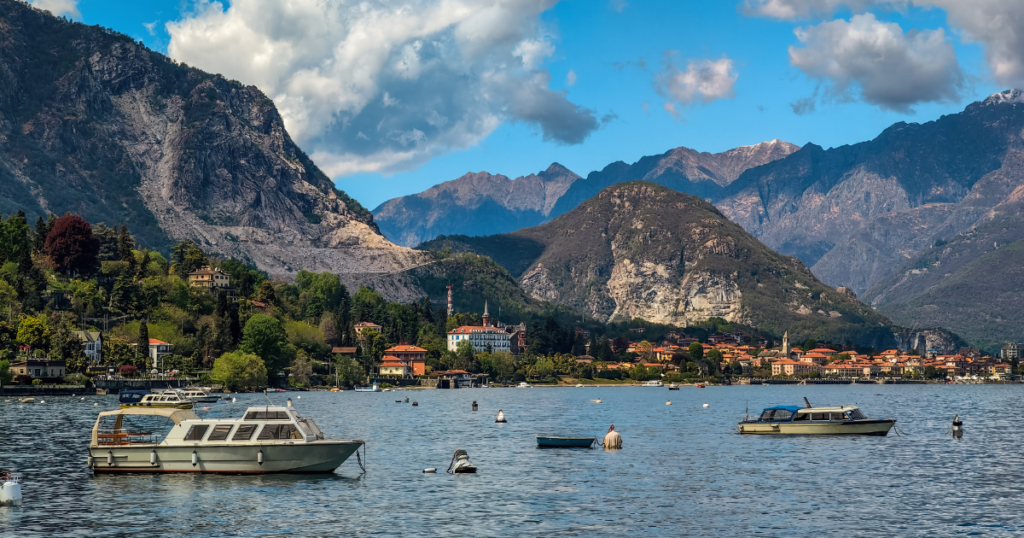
(406, 349)
(392, 364)
(155, 342)
(343, 350)
(467, 329)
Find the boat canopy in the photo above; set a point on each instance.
(176, 415)
(790, 408)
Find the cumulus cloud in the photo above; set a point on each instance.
(386, 85)
(804, 9)
(891, 69)
(58, 7)
(999, 24)
(703, 81)
(570, 78)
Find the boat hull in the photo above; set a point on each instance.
(855, 427)
(315, 457)
(565, 442)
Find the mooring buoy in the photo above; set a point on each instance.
(500, 419)
(415, 404)
(474, 405)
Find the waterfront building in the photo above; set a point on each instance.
(39, 368)
(412, 358)
(792, 367)
(482, 338)
(92, 345)
(1010, 351)
(158, 349)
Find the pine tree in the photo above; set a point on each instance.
(40, 236)
(125, 244)
(143, 338)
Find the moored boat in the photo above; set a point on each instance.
(793, 420)
(524, 385)
(268, 439)
(653, 383)
(552, 441)
(673, 386)
(374, 388)
(171, 399)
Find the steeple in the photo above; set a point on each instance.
(487, 317)
(785, 343)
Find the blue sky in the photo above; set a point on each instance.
(603, 47)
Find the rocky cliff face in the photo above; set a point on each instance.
(94, 123)
(642, 250)
(856, 213)
(474, 204)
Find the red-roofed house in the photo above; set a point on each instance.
(482, 337)
(414, 358)
(158, 350)
(394, 366)
(791, 367)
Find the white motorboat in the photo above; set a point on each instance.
(653, 383)
(524, 385)
(793, 420)
(198, 395)
(171, 399)
(267, 439)
(374, 388)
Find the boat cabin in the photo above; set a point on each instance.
(792, 413)
(170, 399)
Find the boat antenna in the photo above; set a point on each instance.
(807, 402)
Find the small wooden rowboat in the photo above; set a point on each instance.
(565, 442)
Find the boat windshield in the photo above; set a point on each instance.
(855, 414)
(776, 415)
(132, 429)
(309, 428)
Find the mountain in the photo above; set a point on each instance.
(856, 213)
(973, 282)
(94, 123)
(476, 203)
(485, 204)
(641, 250)
(683, 169)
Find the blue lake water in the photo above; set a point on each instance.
(682, 471)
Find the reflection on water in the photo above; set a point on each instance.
(683, 469)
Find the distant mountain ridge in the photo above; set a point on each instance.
(476, 204)
(486, 204)
(640, 250)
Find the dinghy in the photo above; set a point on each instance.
(551, 441)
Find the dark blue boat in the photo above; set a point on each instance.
(545, 441)
(131, 396)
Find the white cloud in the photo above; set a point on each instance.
(570, 78)
(892, 70)
(804, 9)
(389, 84)
(533, 51)
(58, 7)
(997, 23)
(151, 27)
(704, 81)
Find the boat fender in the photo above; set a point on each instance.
(289, 403)
(195, 458)
(110, 458)
(259, 457)
(500, 419)
(474, 405)
(430, 470)
(152, 458)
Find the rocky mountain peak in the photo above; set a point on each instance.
(1011, 96)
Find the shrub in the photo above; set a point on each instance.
(23, 379)
(37, 381)
(76, 379)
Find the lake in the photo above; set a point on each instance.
(683, 469)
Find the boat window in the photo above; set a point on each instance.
(856, 414)
(279, 431)
(220, 433)
(266, 415)
(802, 416)
(196, 433)
(776, 415)
(244, 432)
(839, 416)
(819, 416)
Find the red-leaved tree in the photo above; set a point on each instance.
(71, 248)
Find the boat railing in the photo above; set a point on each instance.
(122, 438)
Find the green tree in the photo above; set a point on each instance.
(347, 371)
(696, 352)
(143, 341)
(5, 372)
(32, 332)
(264, 337)
(301, 370)
(240, 370)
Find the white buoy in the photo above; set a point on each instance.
(289, 402)
(83, 399)
(42, 401)
(234, 400)
(430, 470)
(299, 397)
(668, 402)
(95, 404)
(706, 405)
(501, 417)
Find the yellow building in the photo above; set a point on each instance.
(209, 278)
